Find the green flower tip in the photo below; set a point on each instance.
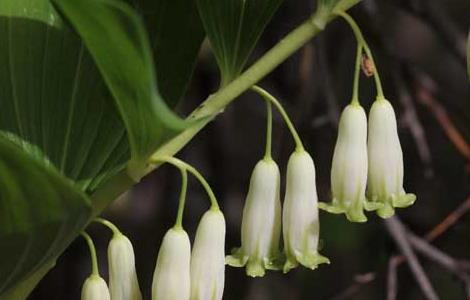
(353, 213)
(387, 208)
(310, 261)
(255, 267)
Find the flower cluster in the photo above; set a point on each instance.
(263, 215)
(367, 157)
(200, 275)
(366, 175)
(123, 283)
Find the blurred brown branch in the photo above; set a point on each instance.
(398, 232)
(426, 97)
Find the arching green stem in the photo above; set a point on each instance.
(182, 199)
(269, 130)
(360, 40)
(108, 224)
(183, 165)
(94, 260)
(268, 97)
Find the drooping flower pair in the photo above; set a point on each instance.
(367, 160)
(262, 219)
(198, 275)
(123, 283)
(180, 274)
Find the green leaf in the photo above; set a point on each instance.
(115, 36)
(40, 214)
(176, 34)
(233, 28)
(52, 95)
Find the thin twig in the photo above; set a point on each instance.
(392, 280)
(449, 221)
(360, 280)
(398, 233)
(441, 258)
(440, 113)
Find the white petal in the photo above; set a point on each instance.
(171, 279)
(95, 288)
(261, 223)
(123, 281)
(385, 179)
(349, 167)
(300, 213)
(208, 258)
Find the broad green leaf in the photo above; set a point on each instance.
(41, 212)
(52, 95)
(176, 34)
(115, 36)
(233, 28)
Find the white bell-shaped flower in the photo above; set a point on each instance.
(300, 214)
(171, 279)
(95, 288)
(385, 178)
(349, 166)
(123, 283)
(208, 257)
(261, 222)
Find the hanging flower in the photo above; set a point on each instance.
(261, 223)
(300, 214)
(171, 279)
(385, 178)
(95, 288)
(208, 257)
(123, 283)
(349, 167)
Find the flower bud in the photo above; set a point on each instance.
(208, 258)
(95, 288)
(261, 223)
(300, 214)
(171, 279)
(123, 283)
(349, 167)
(385, 178)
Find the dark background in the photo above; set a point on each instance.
(419, 47)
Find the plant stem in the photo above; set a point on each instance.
(215, 103)
(269, 98)
(269, 131)
(357, 74)
(110, 225)
(182, 199)
(94, 260)
(360, 40)
(185, 166)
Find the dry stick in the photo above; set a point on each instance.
(392, 280)
(427, 99)
(433, 234)
(441, 258)
(359, 281)
(398, 233)
(449, 221)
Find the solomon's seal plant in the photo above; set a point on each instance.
(84, 117)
